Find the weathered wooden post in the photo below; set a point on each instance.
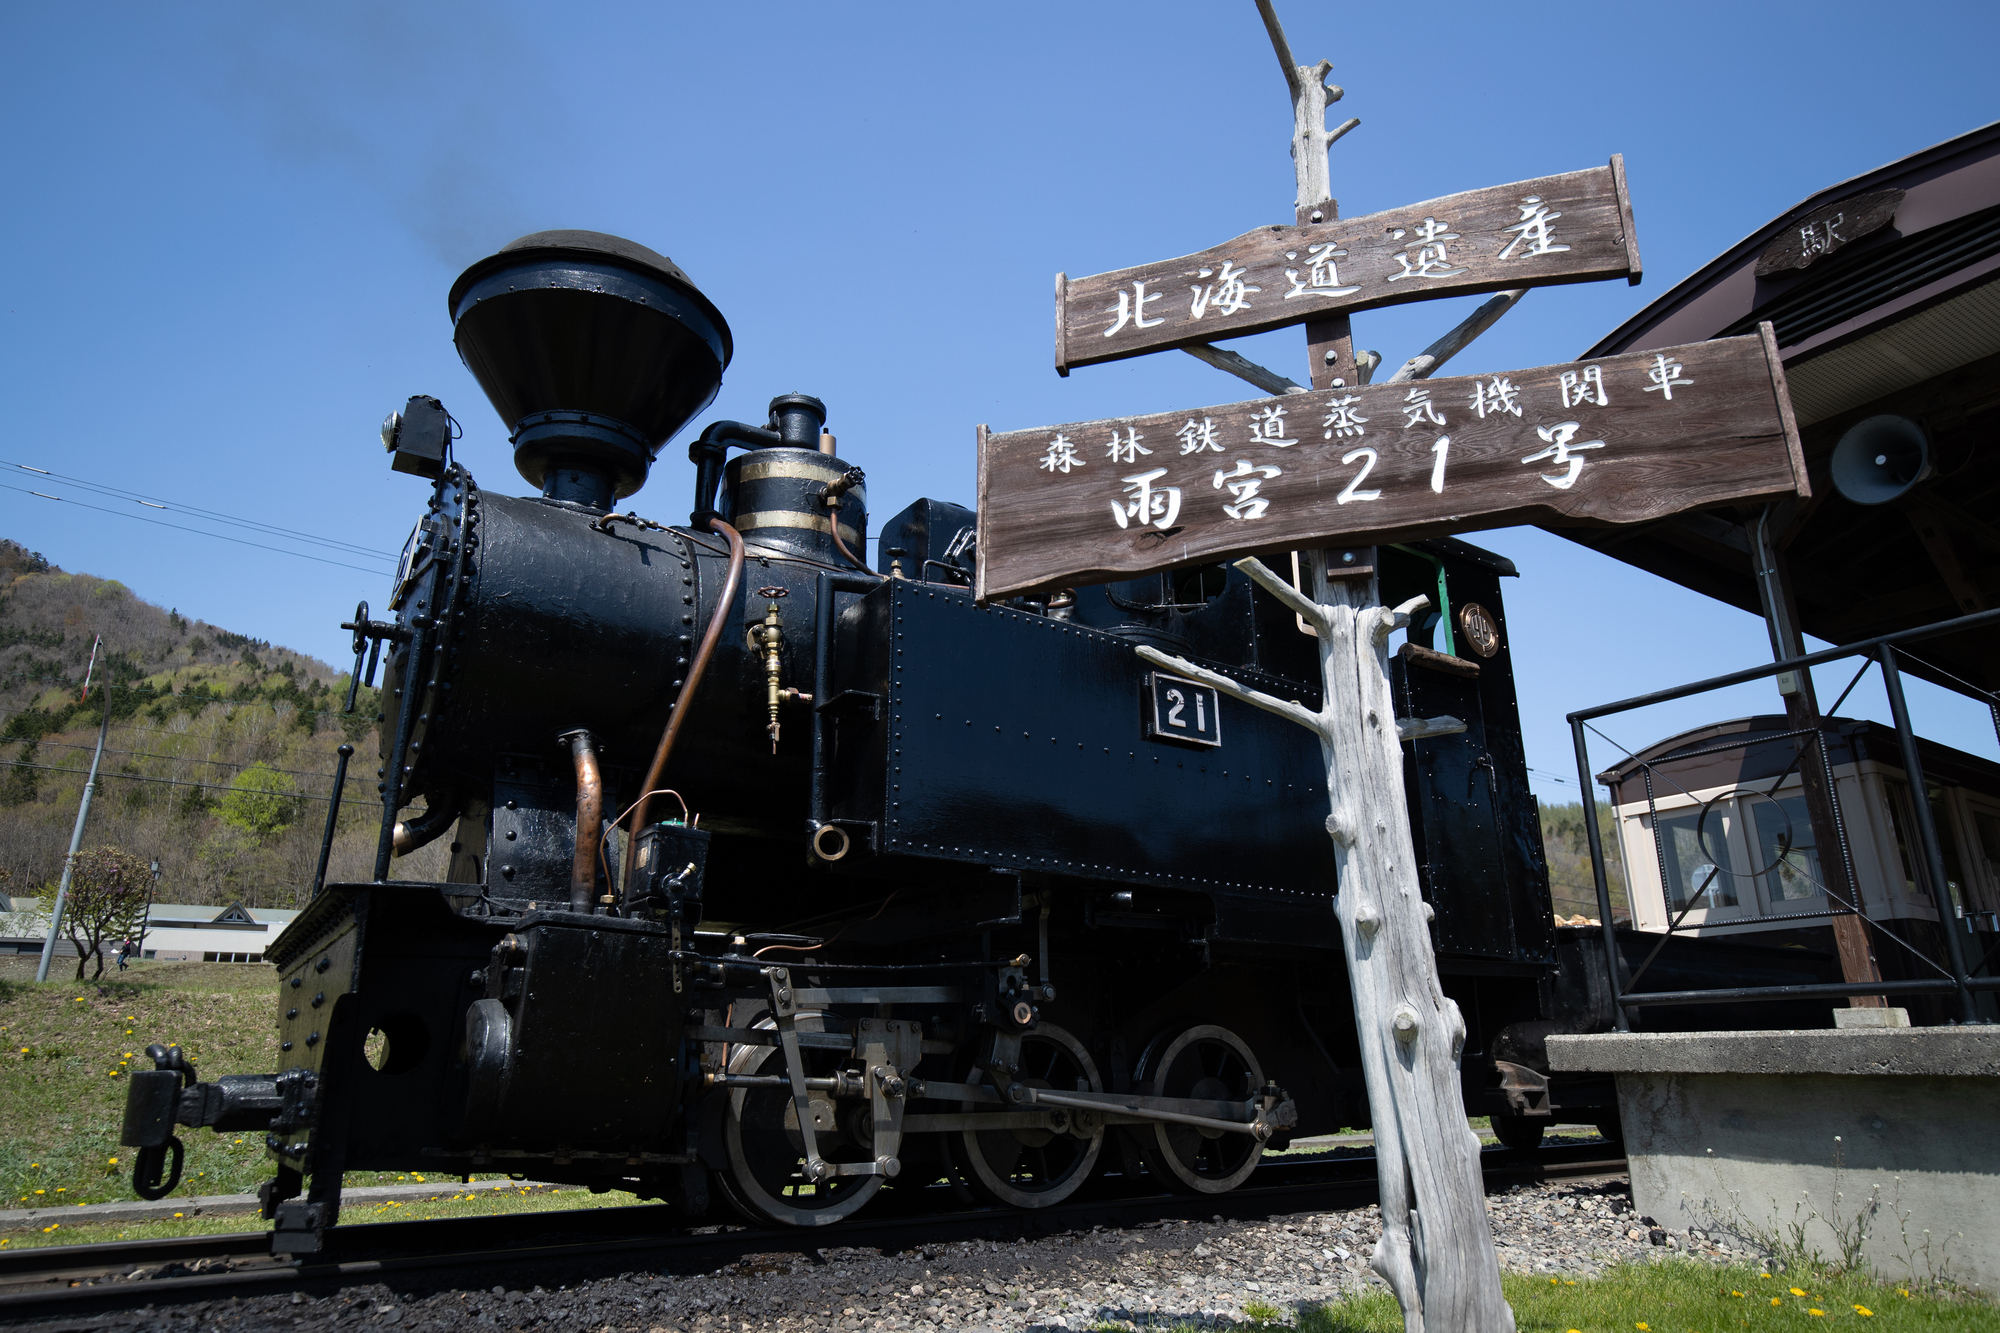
(1622, 440)
(1436, 1251)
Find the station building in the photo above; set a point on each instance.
(175, 932)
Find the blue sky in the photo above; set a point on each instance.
(229, 231)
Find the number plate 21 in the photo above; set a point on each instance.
(1182, 710)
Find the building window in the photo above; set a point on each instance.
(1903, 820)
(1798, 875)
(1693, 871)
(208, 957)
(1986, 845)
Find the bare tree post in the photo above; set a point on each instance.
(1436, 1251)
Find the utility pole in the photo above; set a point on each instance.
(75, 843)
(146, 922)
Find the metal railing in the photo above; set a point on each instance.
(1957, 980)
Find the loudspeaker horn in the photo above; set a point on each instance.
(1880, 459)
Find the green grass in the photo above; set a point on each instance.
(65, 1052)
(484, 1200)
(1685, 1296)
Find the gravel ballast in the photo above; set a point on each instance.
(1157, 1275)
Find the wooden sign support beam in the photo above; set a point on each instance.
(1444, 1271)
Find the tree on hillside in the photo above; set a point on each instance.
(108, 888)
(1565, 842)
(261, 801)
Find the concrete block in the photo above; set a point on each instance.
(1880, 1051)
(1871, 1018)
(1886, 1128)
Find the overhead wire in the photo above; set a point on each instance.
(170, 782)
(181, 527)
(155, 502)
(161, 698)
(186, 759)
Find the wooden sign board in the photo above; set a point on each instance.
(1624, 439)
(1827, 229)
(1556, 229)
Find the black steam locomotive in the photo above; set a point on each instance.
(802, 879)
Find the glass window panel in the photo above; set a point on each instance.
(1986, 828)
(1954, 868)
(1694, 869)
(1904, 824)
(1798, 874)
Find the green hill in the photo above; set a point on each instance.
(1565, 841)
(195, 710)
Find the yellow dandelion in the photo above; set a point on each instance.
(24, 1050)
(1553, 1281)
(1797, 1292)
(1776, 1301)
(1864, 1311)
(1643, 1326)
(113, 1161)
(1820, 1312)
(41, 1191)
(180, 1214)
(1735, 1293)
(50, 1227)
(1904, 1292)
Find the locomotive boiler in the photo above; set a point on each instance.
(782, 873)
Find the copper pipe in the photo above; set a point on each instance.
(589, 820)
(709, 638)
(834, 490)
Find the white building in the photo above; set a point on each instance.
(176, 932)
(1713, 833)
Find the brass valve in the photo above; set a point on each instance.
(770, 636)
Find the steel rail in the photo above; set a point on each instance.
(75, 1280)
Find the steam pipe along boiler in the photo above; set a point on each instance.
(782, 878)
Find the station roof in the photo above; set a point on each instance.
(1884, 293)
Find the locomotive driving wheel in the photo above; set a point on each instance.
(765, 1179)
(1207, 1063)
(1036, 1167)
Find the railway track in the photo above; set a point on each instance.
(78, 1280)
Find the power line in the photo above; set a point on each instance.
(161, 698)
(155, 502)
(179, 527)
(171, 782)
(185, 759)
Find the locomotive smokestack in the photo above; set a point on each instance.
(594, 350)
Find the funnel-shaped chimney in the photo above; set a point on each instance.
(593, 350)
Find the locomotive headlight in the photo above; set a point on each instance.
(389, 425)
